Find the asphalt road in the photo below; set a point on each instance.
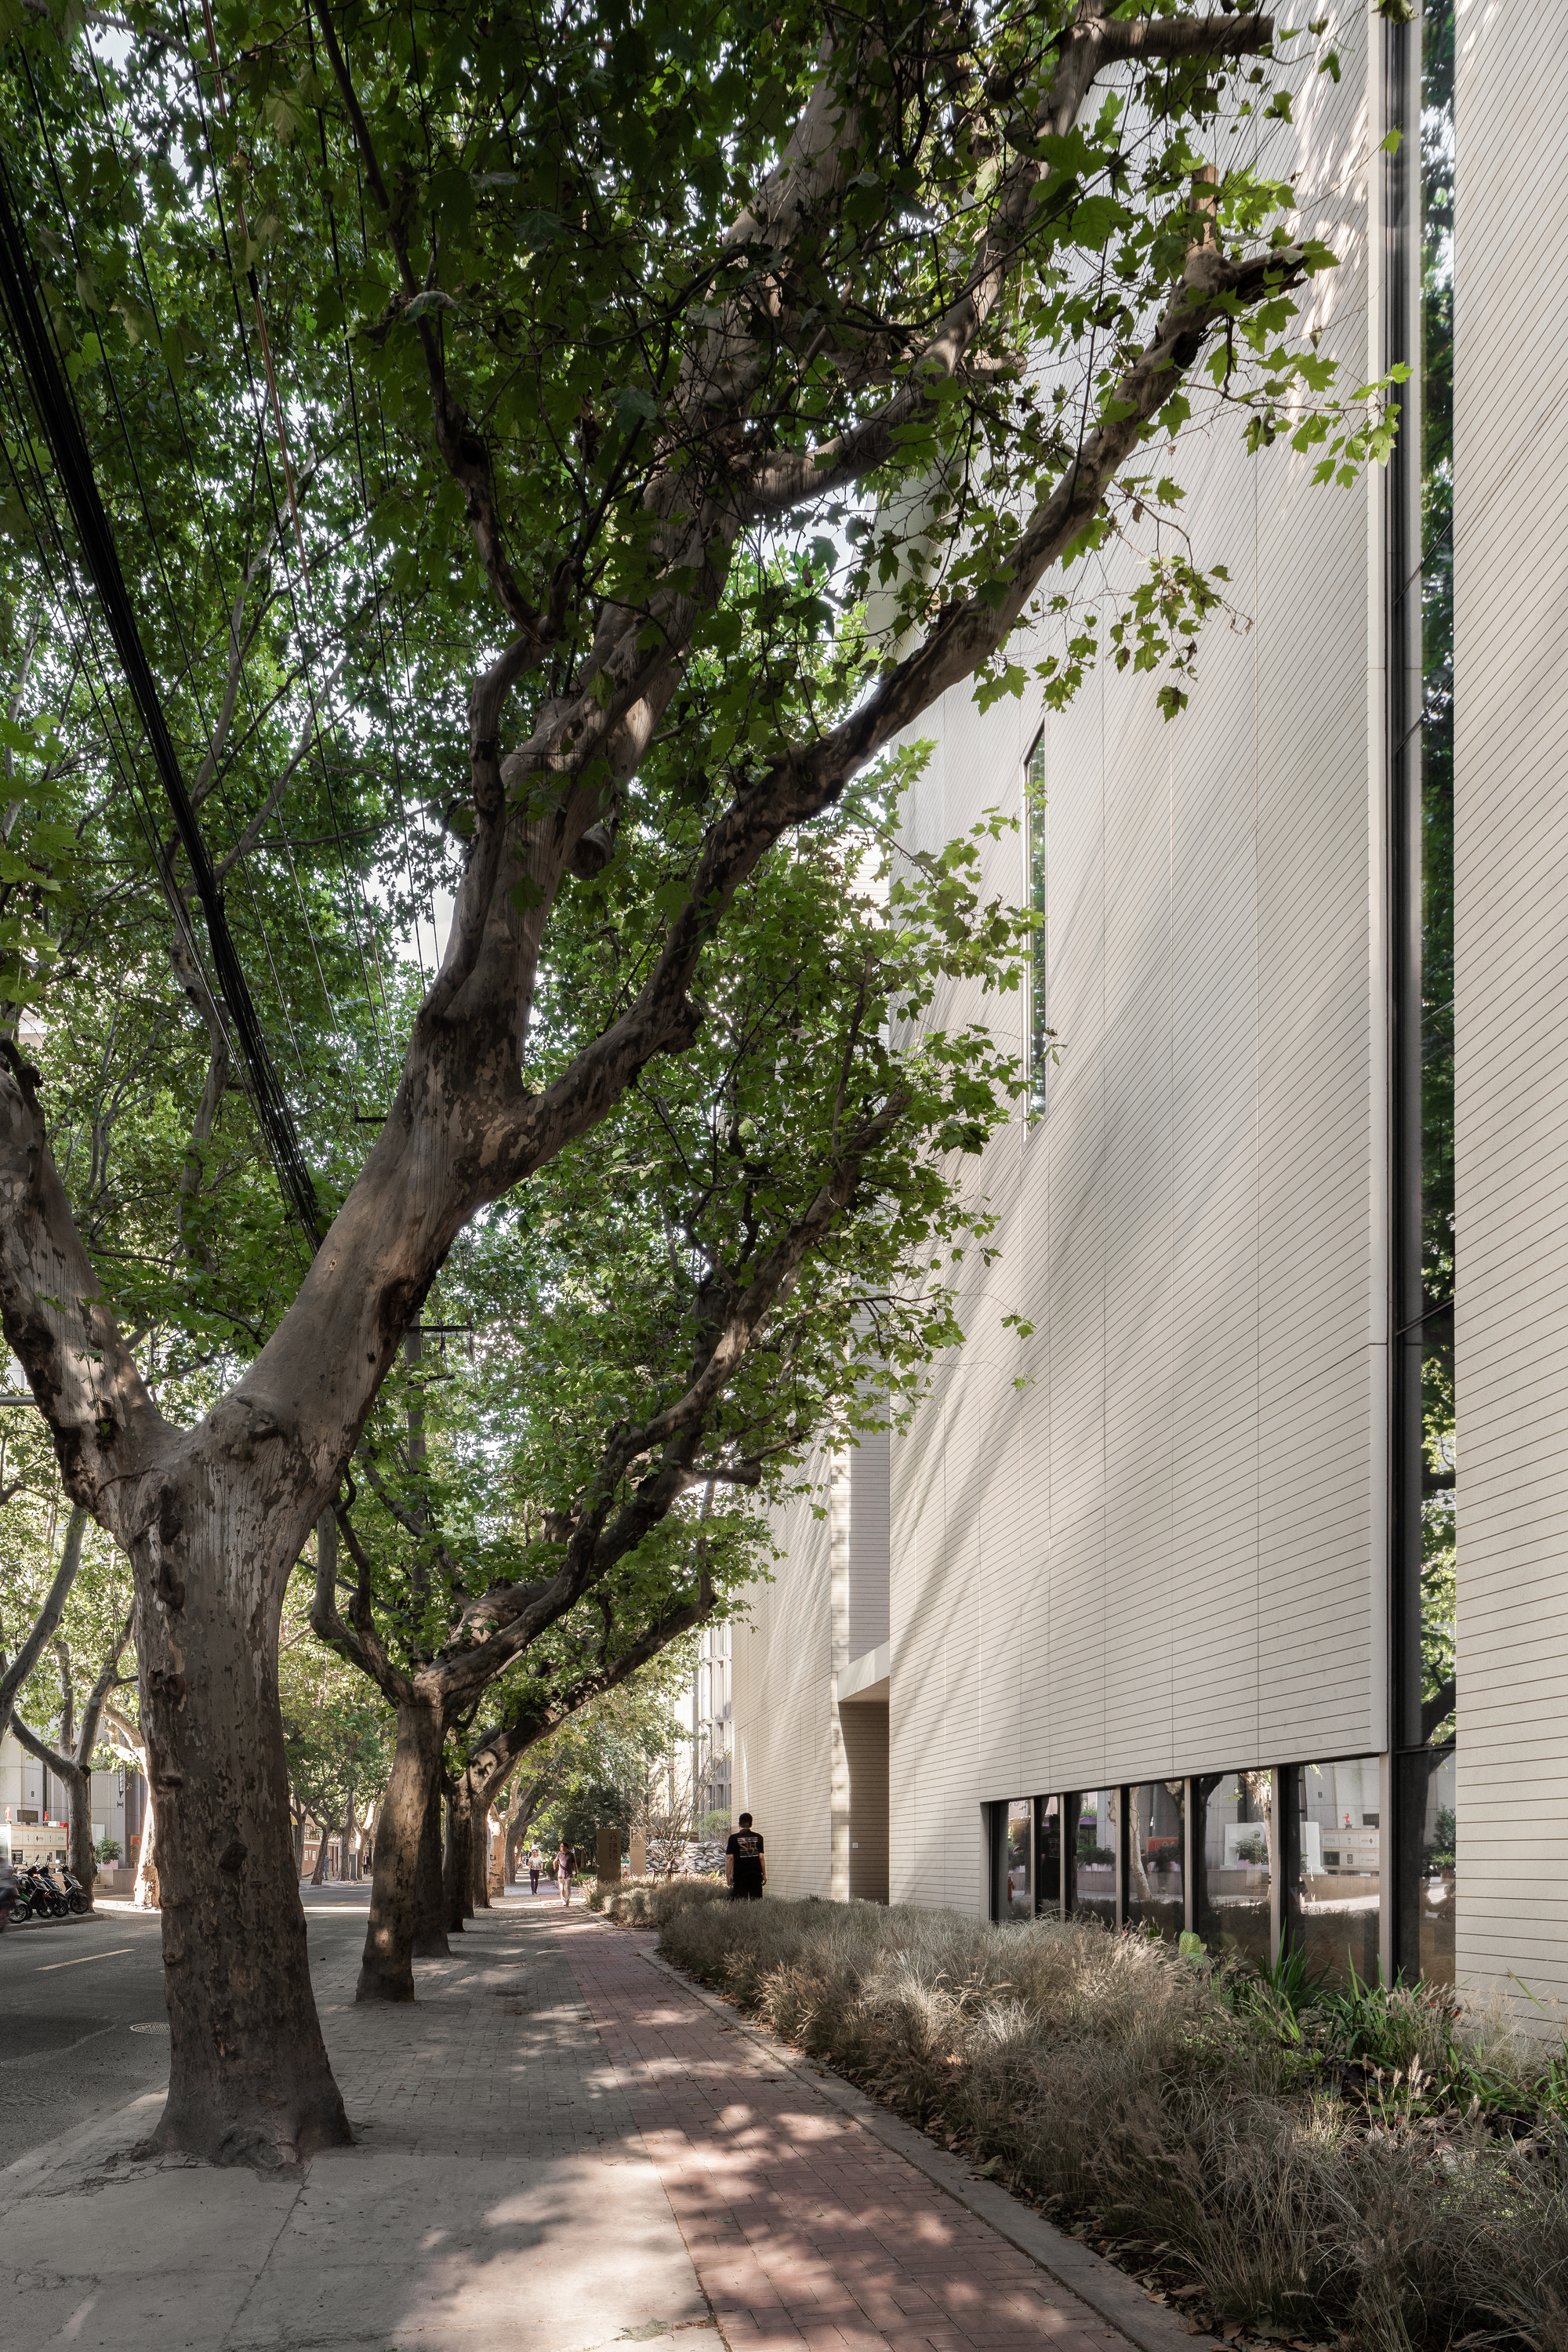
(83, 2027)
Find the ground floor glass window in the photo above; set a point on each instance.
(1155, 1890)
(1339, 1879)
(1015, 1899)
(1048, 1856)
(1095, 1876)
(1426, 1815)
(1234, 1913)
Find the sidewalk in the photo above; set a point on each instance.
(499, 2192)
(559, 2145)
(809, 2233)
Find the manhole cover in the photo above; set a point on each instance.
(153, 2026)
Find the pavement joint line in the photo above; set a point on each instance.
(1110, 2293)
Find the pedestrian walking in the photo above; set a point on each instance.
(566, 1870)
(535, 1865)
(745, 1871)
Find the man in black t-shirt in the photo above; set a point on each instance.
(745, 1872)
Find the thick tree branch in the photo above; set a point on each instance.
(65, 1768)
(509, 1741)
(360, 1643)
(48, 1617)
(808, 779)
(104, 1424)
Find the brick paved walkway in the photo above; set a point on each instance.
(803, 2229)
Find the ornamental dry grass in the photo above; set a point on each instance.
(651, 1902)
(1159, 2101)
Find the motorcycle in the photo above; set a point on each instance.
(37, 1896)
(77, 1895)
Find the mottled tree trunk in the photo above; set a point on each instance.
(83, 1861)
(457, 1870)
(144, 1895)
(1137, 1870)
(248, 2076)
(430, 1908)
(400, 1890)
(479, 1884)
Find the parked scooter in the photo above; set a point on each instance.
(37, 1896)
(76, 1892)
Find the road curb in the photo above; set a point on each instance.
(1106, 2290)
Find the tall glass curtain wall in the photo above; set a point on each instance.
(1421, 775)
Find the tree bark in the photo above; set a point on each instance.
(249, 2079)
(430, 1909)
(346, 1836)
(83, 1861)
(399, 1892)
(457, 1868)
(319, 1875)
(479, 1884)
(144, 1895)
(1137, 1870)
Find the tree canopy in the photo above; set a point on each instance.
(490, 494)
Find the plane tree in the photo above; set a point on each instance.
(750, 1253)
(664, 338)
(335, 1733)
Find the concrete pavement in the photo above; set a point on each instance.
(498, 2188)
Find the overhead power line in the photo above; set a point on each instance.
(57, 413)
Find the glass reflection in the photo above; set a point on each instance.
(1238, 1865)
(1094, 1878)
(1049, 1875)
(1014, 1894)
(1339, 1882)
(1155, 1891)
(1426, 1812)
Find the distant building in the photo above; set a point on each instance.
(34, 1799)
